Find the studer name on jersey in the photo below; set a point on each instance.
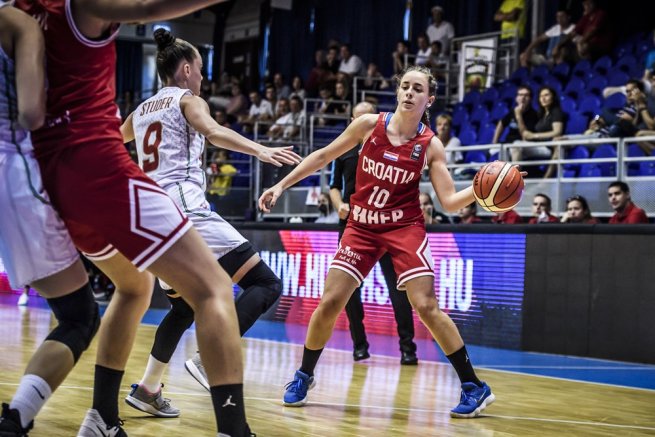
(156, 105)
(383, 172)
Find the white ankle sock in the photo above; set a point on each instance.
(152, 377)
(33, 392)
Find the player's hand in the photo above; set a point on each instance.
(269, 197)
(344, 210)
(523, 173)
(278, 156)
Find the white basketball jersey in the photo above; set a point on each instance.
(169, 149)
(13, 137)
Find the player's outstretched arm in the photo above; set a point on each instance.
(450, 199)
(29, 57)
(127, 129)
(359, 129)
(196, 111)
(139, 10)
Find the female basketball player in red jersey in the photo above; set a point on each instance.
(386, 217)
(119, 217)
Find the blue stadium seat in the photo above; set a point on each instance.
(589, 105)
(567, 104)
(597, 85)
(623, 49)
(581, 68)
(489, 97)
(577, 124)
(603, 65)
(626, 63)
(589, 171)
(615, 102)
(486, 133)
(561, 71)
(617, 78)
(508, 94)
(577, 152)
(634, 151)
(606, 151)
(574, 88)
(519, 76)
(479, 115)
(475, 156)
(494, 157)
(468, 137)
(539, 73)
(554, 83)
(471, 99)
(460, 117)
(499, 111)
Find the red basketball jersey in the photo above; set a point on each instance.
(387, 187)
(80, 78)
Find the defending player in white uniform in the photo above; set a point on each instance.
(170, 130)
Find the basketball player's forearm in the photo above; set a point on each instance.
(314, 162)
(228, 139)
(458, 200)
(142, 10)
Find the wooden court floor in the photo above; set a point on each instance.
(378, 397)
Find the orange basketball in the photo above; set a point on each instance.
(498, 186)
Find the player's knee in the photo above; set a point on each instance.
(262, 280)
(78, 320)
(180, 308)
(425, 306)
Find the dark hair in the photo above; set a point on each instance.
(170, 52)
(583, 202)
(638, 83)
(545, 196)
(524, 87)
(621, 185)
(432, 85)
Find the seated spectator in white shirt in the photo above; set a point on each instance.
(440, 30)
(289, 126)
(260, 110)
(553, 36)
(424, 50)
(351, 64)
(445, 134)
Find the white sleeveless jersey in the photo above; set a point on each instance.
(13, 137)
(169, 149)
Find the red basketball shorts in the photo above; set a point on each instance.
(361, 247)
(110, 205)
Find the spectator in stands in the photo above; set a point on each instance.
(374, 80)
(327, 213)
(440, 30)
(297, 88)
(327, 106)
(438, 60)
(512, 16)
(221, 118)
(529, 117)
(332, 61)
(282, 90)
(318, 75)
(350, 64)
(271, 97)
(430, 213)
(260, 110)
(549, 126)
(444, 123)
(238, 105)
(541, 207)
(577, 211)
(399, 56)
(553, 35)
(625, 211)
(289, 126)
(423, 50)
(220, 173)
(469, 214)
(510, 217)
(342, 93)
(281, 108)
(592, 35)
(626, 120)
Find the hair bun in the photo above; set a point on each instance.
(163, 38)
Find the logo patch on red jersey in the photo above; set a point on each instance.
(416, 152)
(391, 156)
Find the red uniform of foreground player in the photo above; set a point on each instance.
(119, 217)
(386, 217)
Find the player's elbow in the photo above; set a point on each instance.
(31, 119)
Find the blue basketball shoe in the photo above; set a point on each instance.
(296, 394)
(474, 399)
